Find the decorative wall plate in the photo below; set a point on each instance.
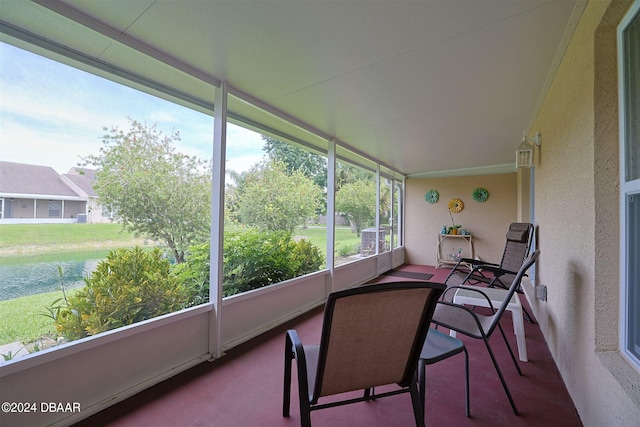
(456, 205)
(432, 196)
(480, 195)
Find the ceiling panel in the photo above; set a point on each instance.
(424, 86)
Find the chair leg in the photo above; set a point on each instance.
(513, 356)
(303, 397)
(286, 398)
(525, 313)
(421, 382)
(466, 383)
(305, 414)
(504, 383)
(370, 393)
(416, 401)
(528, 317)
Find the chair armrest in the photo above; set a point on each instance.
(452, 316)
(294, 345)
(294, 341)
(473, 289)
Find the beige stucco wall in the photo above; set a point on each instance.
(488, 222)
(576, 200)
(94, 212)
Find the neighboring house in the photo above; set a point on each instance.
(81, 180)
(38, 194)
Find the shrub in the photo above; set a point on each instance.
(348, 250)
(307, 256)
(129, 286)
(132, 285)
(194, 274)
(252, 259)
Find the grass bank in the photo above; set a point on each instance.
(20, 239)
(22, 319)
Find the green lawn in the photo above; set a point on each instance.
(318, 236)
(16, 235)
(12, 235)
(21, 318)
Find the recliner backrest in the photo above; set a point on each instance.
(519, 238)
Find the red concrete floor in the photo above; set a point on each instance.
(244, 388)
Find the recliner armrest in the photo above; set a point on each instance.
(497, 271)
(479, 263)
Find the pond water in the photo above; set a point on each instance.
(30, 275)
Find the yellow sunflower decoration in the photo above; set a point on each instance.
(455, 205)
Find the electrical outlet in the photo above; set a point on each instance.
(541, 292)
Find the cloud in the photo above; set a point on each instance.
(243, 139)
(51, 114)
(243, 163)
(162, 117)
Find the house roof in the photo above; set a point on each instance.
(83, 178)
(20, 179)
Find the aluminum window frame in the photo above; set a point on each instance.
(629, 187)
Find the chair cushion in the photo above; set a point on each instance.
(439, 346)
(518, 232)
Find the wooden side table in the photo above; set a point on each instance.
(458, 241)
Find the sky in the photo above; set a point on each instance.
(53, 115)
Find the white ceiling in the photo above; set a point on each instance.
(424, 86)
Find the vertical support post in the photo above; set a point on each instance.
(217, 219)
(377, 217)
(331, 214)
(392, 218)
(403, 210)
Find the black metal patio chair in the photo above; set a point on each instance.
(371, 336)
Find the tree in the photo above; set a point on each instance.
(346, 174)
(357, 201)
(232, 196)
(312, 165)
(154, 190)
(273, 200)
